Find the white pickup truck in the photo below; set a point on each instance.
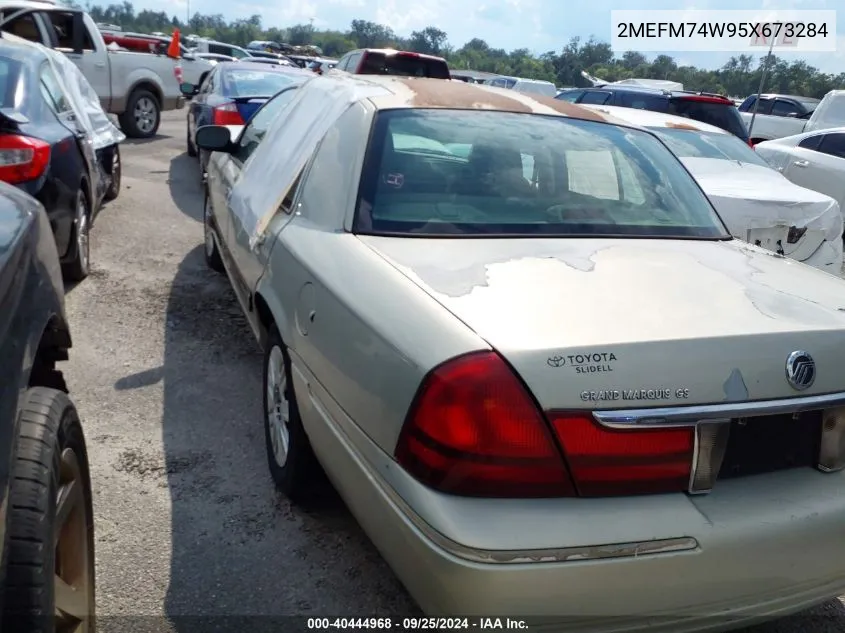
(779, 116)
(136, 87)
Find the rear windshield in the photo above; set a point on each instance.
(11, 87)
(497, 174)
(696, 144)
(723, 115)
(254, 83)
(405, 65)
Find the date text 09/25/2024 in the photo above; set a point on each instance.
(415, 624)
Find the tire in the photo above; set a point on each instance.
(142, 116)
(192, 149)
(51, 463)
(298, 474)
(212, 253)
(116, 176)
(78, 268)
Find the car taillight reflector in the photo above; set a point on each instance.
(227, 114)
(605, 461)
(475, 430)
(22, 158)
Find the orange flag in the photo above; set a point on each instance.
(174, 50)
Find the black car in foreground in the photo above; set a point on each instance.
(47, 564)
(700, 106)
(45, 152)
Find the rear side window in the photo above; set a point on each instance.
(11, 83)
(404, 64)
(595, 97)
(720, 114)
(499, 174)
(642, 101)
(781, 107)
(834, 145)
(570, 96)
(811, 142)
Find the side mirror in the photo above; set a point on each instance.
(214, 138)
(189, 90)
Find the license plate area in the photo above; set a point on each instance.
(770, 443)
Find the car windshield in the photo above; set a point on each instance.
(697, 144)
(498, 174)
(254, 83)
(10, 83)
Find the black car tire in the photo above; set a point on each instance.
(299, 476)
(50, 521)
(192, 149)
(212, 253)
(116, 175)
(145, 101)
(78, 268)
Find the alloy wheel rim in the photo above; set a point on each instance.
(145, 114)
(72, 580)
(278, 406)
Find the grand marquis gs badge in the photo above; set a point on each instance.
(800, 370)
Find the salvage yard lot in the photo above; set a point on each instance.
(167, 378)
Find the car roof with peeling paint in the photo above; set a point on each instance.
(649, 118)
(423, 92)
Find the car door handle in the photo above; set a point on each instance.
(100, 64)
(801, 163)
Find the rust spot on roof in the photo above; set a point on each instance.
(681, 126)
(438, 93)
(570, 109)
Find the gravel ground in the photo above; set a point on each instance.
(167, 378)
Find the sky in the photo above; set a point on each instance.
(538, 25)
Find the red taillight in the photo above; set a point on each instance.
(475, 430)
(605, 461)
(227, 114)
(22, 158)
(407, 54)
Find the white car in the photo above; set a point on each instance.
(756, 202)
(815, 160)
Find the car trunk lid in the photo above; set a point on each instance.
(614, 324)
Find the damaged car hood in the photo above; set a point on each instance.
(679, 321)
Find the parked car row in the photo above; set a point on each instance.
(565, 250)
(57, 144)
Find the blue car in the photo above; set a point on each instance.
(231, 93)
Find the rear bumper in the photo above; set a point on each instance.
(762, 549)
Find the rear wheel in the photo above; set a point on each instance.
(291, 460)
(50, 583)
(78, 268)
(142, 116)
(212, 253)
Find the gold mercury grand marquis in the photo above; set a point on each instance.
(545, 384)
